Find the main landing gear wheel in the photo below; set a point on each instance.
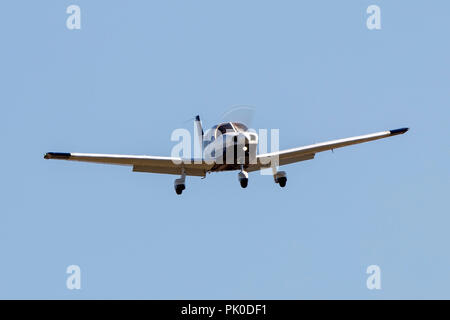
(282, 181)
(280, 178)
(179, 188)
(244, 182)
(179, 183)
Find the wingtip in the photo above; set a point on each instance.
(57, 155)
(398, 131)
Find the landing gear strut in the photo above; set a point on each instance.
(179, 183)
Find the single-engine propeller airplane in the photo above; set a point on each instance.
(218, 143)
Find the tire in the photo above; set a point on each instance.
(244, 182)
(282, 181)
(179, 188)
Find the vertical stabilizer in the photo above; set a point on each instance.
(198, 140)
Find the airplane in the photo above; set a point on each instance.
(219, 142)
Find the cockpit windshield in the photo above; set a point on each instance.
(240, 127)
(224, 128)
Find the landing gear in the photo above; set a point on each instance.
(280, 178)
(179, 183)
(282, 182)
(243, 178)
(179, 188)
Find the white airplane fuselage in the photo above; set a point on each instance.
(233, 150)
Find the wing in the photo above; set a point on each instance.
(167, 165)
(308, 152)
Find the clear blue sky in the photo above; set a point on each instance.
(137, 70)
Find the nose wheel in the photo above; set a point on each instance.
(244, 183)
(243, 178)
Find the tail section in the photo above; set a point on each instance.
(198, 141)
